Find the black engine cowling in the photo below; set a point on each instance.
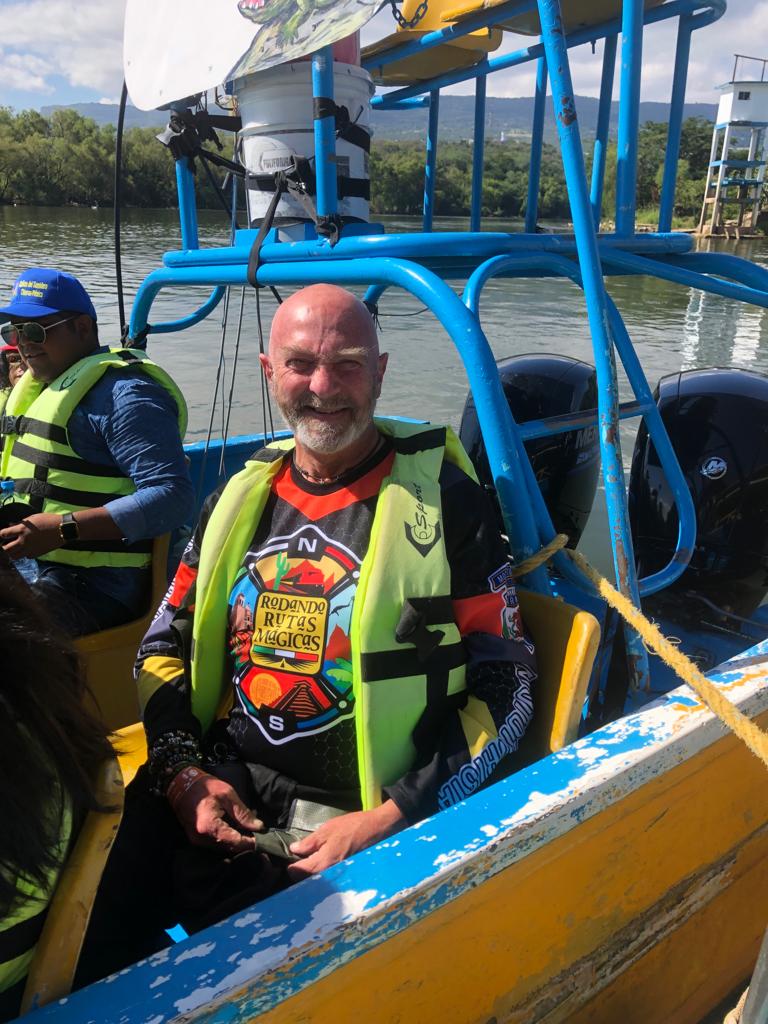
(717, 421)
(566, 465)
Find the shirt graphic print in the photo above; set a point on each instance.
(291, 612)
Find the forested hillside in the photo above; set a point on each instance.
(67, 159)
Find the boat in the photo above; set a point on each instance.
(622, 873)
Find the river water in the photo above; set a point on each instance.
(672, 327)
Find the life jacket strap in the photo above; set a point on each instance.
(39, 489)
(70, 463)
(38, 428)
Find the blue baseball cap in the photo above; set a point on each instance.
(39, 291)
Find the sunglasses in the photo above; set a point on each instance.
(30, 331)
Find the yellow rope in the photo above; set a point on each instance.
(728, 713)
(542, 555)
(734, 1017)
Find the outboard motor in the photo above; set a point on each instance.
(566, 465)
(717, 421)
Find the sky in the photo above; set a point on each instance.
(69, 51)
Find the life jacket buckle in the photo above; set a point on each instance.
(412, 629)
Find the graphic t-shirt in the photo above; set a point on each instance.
(290, 614)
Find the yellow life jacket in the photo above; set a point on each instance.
(48, 473)
(407, 652)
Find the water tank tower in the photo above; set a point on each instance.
(737, 161)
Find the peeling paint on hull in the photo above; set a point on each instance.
(625, 878)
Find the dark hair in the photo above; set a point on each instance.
(50, 743)
(71, 326)
(5, 380)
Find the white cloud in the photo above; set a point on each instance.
(79, 41)
(82, 42)
(24, 72)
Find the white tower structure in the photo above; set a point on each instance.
(737, 161)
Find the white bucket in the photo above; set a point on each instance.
(276, 110)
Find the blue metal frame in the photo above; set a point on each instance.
(537, 143)
(325, 134)
(185, 187)
(430, 166)
(644, 405)
(553, 38)
(629, 115)
(677, 101)
(478, 156)
(603, 127)
(708, 11)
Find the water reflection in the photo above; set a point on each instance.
(723, 332)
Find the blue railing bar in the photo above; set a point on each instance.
(691, 279)
(597, 313)
(712, 10)
(686, 514)
(537, 141)
(481, 245)
(412, 103)
(430, 166)
(169, 326)
(551, 425)
(725, 265)
(542, 518)
(603, 128)
(498, 428)
(325, 134)
(484, 18)
(185, 187)
(645, 403)
(478, 156)
(629, 114)
(676, 106)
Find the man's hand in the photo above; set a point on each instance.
(341, 837)
(203, 803)
(34, 536)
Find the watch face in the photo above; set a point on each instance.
(68, 529)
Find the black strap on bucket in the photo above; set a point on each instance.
(346, 128)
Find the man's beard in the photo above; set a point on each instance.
(327, 438)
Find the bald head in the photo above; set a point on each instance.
(324, 368)
(323, 309)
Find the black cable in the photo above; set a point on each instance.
(116, 205)
(266, 403)
(233, 378)
(416, 312)
(219, 193)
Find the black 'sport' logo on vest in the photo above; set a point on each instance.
(421, 533)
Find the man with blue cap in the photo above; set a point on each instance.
(92, 440)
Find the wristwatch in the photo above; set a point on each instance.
(68, 528)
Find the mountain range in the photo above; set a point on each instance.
(505, 117)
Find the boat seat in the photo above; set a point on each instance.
(55, 958)
(567, 640)
(108, 656)
(455, 55)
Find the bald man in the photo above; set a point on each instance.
(341, 652)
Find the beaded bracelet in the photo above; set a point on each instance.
(168, 754)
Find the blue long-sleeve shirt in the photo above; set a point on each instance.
(129, 421)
